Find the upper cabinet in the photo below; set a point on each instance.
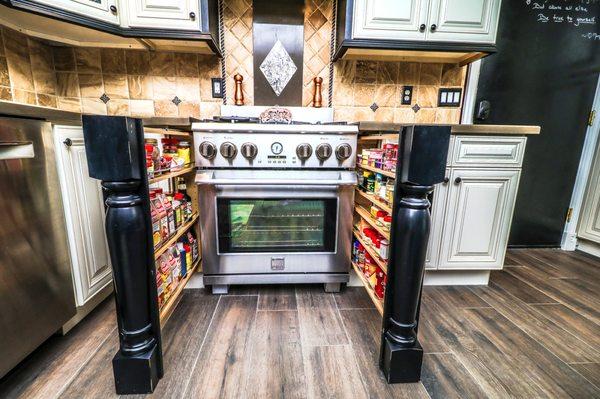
(456, 31)
(103, 10)
(171, 25)
(165, 14)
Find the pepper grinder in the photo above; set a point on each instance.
(238, 96)
(317, 97)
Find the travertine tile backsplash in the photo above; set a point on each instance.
(106, 81)
(145, 83)
(358, 85)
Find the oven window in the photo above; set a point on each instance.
(276, 225)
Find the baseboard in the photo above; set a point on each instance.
(84, 310)
(588, 247)
(456, 277)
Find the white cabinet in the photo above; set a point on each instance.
(479, 211)
(98, 9)
(390, 19)
(438, 213)
(84, 213)
(461, 21)
(589, 222)
(163, 14)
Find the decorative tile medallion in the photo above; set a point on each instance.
(416, 108)
(176, 100)
(374, 107)
(104, 98)
(278, 68)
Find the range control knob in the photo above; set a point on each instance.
(343, 151)
(249, 151)
(207, 149)
(228, 150)
(323, 151)
(304, 151)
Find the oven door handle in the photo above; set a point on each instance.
(278, 182)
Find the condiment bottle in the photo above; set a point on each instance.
(177, 209)
(156, 233)
(183, 151)
(182, 188)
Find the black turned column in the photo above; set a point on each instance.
(115, 153)
(421, 164)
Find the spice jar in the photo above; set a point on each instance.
(383, 249)
(183, 151)
(389, 191)
(387, 223)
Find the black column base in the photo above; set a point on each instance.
(136, 374)
(401, 364)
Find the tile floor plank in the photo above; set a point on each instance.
(518, 288)
(578, 325)
(50, 369)
(555, 377)
(549, 334)
(182, 338)
(223, 360)
(590, 371)
(332, 373)
(276, 364)
(457, 297)
(353, 298)
(445, 377)
(364, 331)
(320, 323)
(277, 297)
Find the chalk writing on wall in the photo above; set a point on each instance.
(578, 15)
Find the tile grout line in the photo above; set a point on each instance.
(193, 368)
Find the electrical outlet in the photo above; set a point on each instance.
(217, 87)
(406, 95)
(449, 97)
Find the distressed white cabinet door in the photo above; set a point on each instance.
(438, 212)
(84, 212)
(164, 14)
(464, 20)
(389, 19)
(97, 9)
(478, 216)
(589, 222)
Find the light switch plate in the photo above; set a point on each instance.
(449, 97)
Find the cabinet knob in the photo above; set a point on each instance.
(446, 180)
(457, 180)
(68, 142)
(113, 9)
(433, 27)
(192, 15)
(422, 28)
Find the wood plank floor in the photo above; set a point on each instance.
(533, 332)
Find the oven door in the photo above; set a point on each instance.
(266, 222)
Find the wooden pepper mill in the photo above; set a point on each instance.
(238, 96)
(317, 97)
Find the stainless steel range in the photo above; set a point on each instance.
(275, 202)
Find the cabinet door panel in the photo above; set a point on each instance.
(438, 211)
(168, 14)
(389, 19)
(84, 208)
(98, 9)
(478, 215)
(464, 20)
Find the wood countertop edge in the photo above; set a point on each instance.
(369, 127)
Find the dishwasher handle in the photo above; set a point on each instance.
(278, 182)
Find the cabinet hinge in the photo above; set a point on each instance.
(569, 214)
(591, 117)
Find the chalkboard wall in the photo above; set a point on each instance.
(545, 73)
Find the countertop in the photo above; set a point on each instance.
(60, 117)
(384, 127)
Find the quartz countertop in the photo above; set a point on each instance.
(384, 127)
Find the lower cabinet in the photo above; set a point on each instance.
(589, 222)
(438, 213)
(478, 215)
(84, 213)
